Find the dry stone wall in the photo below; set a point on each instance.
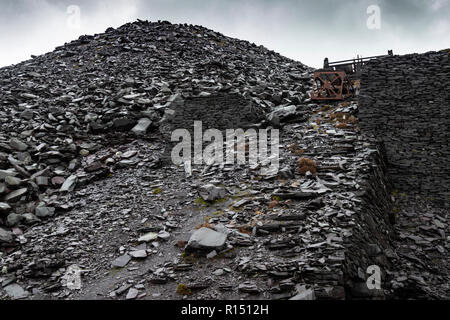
(404, 103)
(220, 111)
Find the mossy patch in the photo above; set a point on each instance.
(114, 271)
(219, 201)
(183, 290)
(202, 202)
(188, 257)
(226, 254)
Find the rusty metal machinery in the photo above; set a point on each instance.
(331, 85)
(336, 80)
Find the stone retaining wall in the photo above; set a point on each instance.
(405, 104)
(220, 111)
(372, 238)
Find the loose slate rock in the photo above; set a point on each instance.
(12, 181)
(148, 237)
(13, 219)
(121, 261)
(164, 235)
(304, 294)
(139, 254)
(210, 192)
(142, 126)
(16, 195)
(5, 236)
(248, 287)
(16, 292)
(69, 184)
(5, 173)
(30, 219)
(132, 294)
(44, 212)
(18, 145)
(206, 239)
(4, 207)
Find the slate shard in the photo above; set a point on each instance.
(206, 239)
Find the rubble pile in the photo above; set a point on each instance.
(420, 253)
(59, 111)
(89, 210)
(405, 104)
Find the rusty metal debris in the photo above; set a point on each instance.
(331, 85)
(336, 81)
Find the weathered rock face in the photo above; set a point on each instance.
(404, 102)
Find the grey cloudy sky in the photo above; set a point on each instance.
(303, 30)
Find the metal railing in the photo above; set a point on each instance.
(351, 66)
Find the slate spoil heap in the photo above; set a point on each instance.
(88, 209)
(58, 109)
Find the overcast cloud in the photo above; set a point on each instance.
(304, 30)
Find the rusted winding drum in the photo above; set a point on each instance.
(331, 85)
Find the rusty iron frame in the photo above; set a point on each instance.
(331, 85)
(347, 71)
